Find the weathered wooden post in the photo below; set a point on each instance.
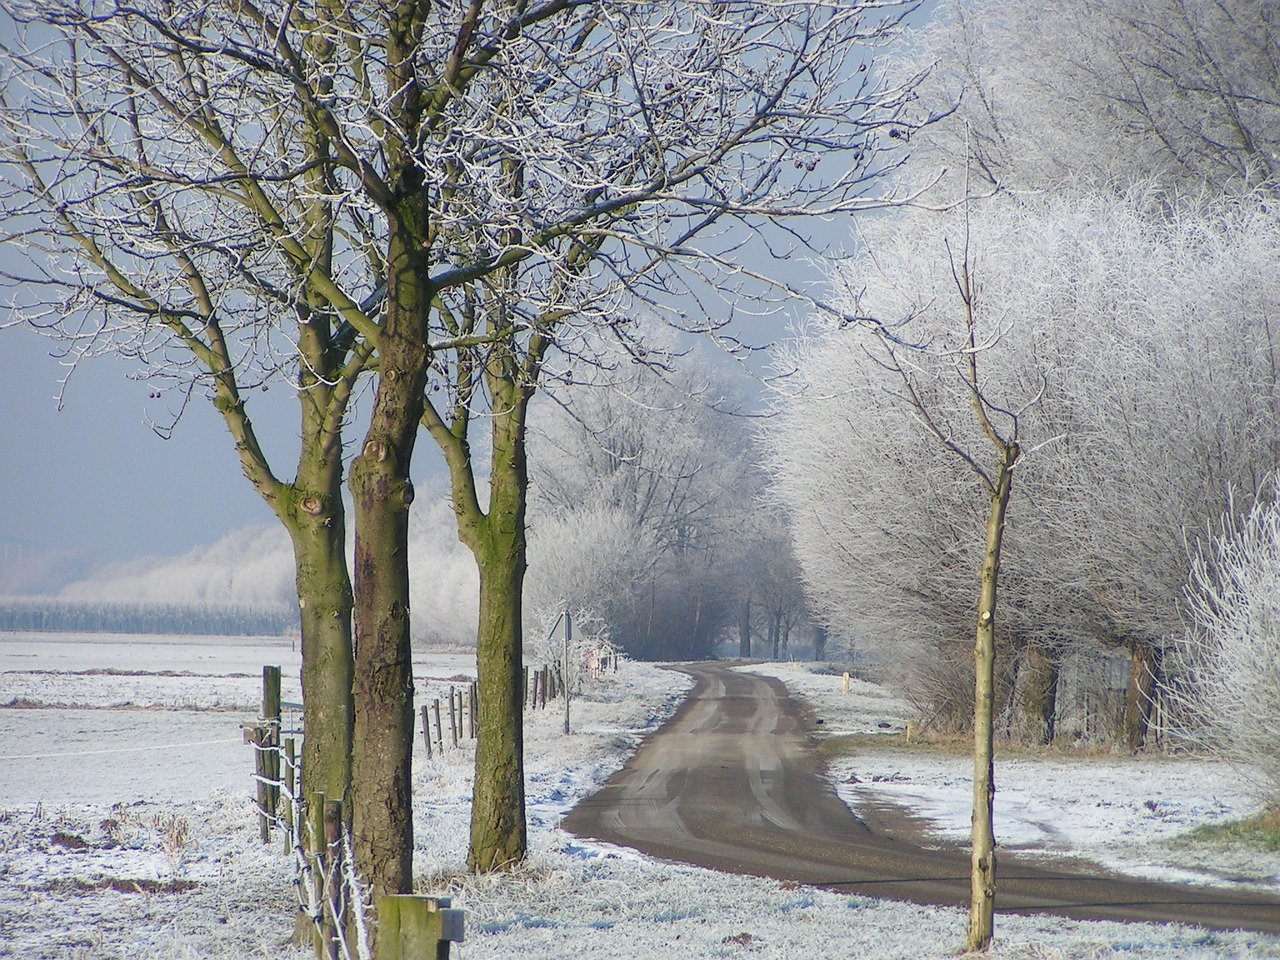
(257, 735)
(439, 727)
(271, 747)
(290, 780)
(453, 720)
(471, 704)
(335, 889)
(426, 728)
(414, 927)
(317, 853)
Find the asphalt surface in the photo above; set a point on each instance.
(733, 782)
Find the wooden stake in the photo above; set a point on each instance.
(426, 728)
(412, 927)
(335, 888)
(453, 720)
(271, 717)
(316, 853)
(472, 707)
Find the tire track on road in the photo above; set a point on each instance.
(733, 782)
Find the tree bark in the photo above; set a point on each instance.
(744, 629)
(381, 492)
(1039, 693)
(819, 642)
(983, 867)
(498, 830)
(1144, 675)
(324, 602)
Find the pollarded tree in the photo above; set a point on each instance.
(574, 155)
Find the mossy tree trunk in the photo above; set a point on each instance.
(496, 536)
(381, 493)
(498, 830)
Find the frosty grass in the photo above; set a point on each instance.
(163, 860)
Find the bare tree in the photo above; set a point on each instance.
(502, 176)
(1097, 91)
(577, 153)
(173, 215)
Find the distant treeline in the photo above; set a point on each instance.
(95, 616)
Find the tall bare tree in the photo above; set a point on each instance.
(173, 213)
(508, 173)
(577, 153)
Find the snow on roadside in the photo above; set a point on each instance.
(1121, 812)
(188, 879)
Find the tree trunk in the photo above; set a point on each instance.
(381, 492)
(744, 629)
(382, 825)
(324, 601)
(1144, 674)
(819, 642)
(498, 831)
(775, 635)
(1039, 693)
(983, 875)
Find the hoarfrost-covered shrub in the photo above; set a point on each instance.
(1229, 661)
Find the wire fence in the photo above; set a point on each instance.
(333, 904)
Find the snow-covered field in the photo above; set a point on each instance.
(126, 829)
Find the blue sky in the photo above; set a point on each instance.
(93, 478)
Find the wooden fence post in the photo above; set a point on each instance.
(453, 720)
(290, 790)
(271, 717)
(317, 851)
(439, 727)
(414, 927)
(257, 735)
(335, 884)
(426, 728)
(471, 705)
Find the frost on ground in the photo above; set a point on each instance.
(1129, 814)
(142, 876)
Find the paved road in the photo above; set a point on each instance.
(733, 782)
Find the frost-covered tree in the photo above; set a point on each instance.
(501, 175)
(177, 208)
(1153, 333)
(1185, 91)
(942, 380)
(1228, 664)
(646, 489)
(582, 159)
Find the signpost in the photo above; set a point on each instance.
(567, 620)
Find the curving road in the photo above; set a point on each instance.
(733, 782)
